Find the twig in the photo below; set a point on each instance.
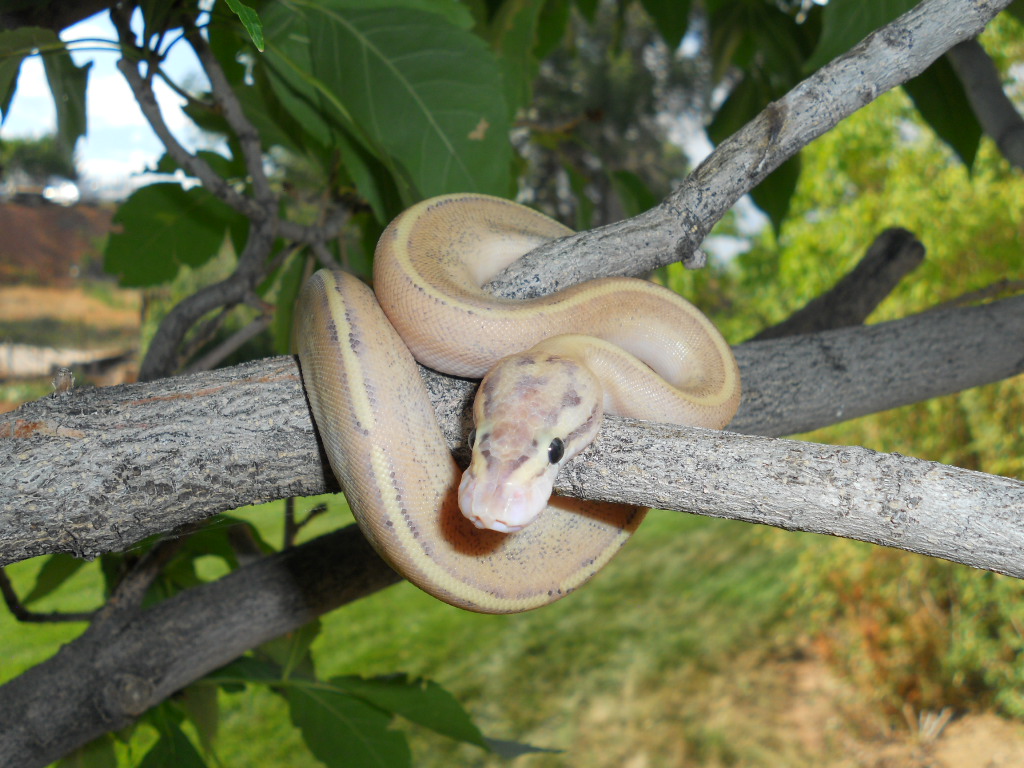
(129, 593)
(142, 90)
(227, 347)
(231, 109)
(21, 613)
(292, 525)
(998, 289)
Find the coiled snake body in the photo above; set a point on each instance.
(618, 344)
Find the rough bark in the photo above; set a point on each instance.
(99, 470)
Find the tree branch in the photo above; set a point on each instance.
(892, 256)
(994, 110)
(118, 669)
(101, 469)
(142, 90)
(671, 231)
(21, 613)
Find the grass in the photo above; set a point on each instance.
(677, 626)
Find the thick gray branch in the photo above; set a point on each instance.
(668, 233)
(125, 664)
(102, 469)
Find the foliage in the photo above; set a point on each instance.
(36, 158)
(380, 107)
(910, 630)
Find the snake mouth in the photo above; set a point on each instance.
(497, 506)
(495, 525)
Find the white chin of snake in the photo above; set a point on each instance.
(504, 507)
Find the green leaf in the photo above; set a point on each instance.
(760, 39)
(554, 20)
(250, 20)
(291, 651)
(289, 285)
(774, 194)
(305, 116)
(155, 17)
(513, 35)
(421, 701)
(427, 95)
(635, 196)
(246, 669)
(511, 749)
(847, 22)
(98, 753)
(343, 732)
(745, 101)
(15, 46)
(671, 17)
(55, 571)
(226, 168)
(454, 12)
(200, 705)
(1016, 9)
(67, 83)
(588, 8)
(939, 96)
(584, 205)
(173, 749)
(164, 228)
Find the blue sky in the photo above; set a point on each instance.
(119, 143)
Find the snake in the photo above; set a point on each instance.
(493, 539)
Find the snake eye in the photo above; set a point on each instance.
(471, 439)
(556, 450)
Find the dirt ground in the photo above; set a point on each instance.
(19, 303)
(822, 713)
(50, 244)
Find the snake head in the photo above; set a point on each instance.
(533, 412)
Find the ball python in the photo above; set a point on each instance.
(553, 366)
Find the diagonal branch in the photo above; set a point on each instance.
(674, 229)
(998, 116)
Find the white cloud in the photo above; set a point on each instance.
(110, 102)
(135, 162)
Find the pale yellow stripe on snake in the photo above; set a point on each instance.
(401, 481)
(357, 395)
(377, 424)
